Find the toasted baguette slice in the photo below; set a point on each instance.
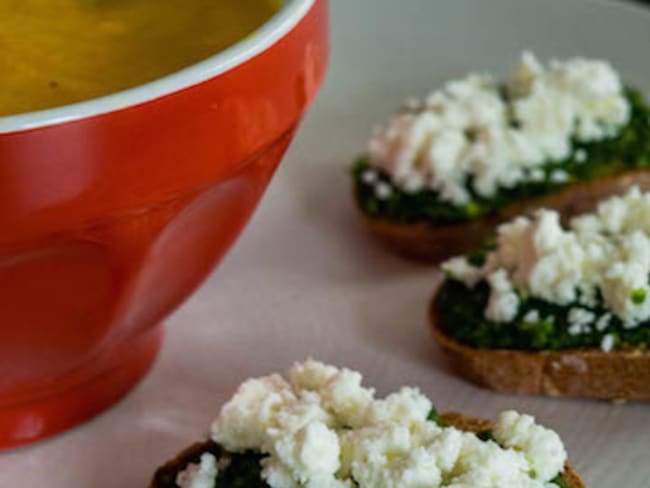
(429, 242)
(586, 373)
(165, 476)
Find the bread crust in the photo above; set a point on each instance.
(585, 373)
(165, 476)
(424, 241)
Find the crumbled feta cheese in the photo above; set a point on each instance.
(536, 175)
(323, 429)
(310, 453)
(542, 447)
(587, 293)
(607, 344)
(580, 320)
(575, 329)
(603, 322)
(580, 155)
(505, 467)
(413, 183)
(464, 132)
(524, 74)
(311, 375)
(406, 407)
(559, 176)
(540, 256)
(383, 190)
(460, 269)
(346, 398)
(504, 302)
(277, 475)
(244, 421)
(532, 316)
(200, 475)
(596, 95)
(602, 254)
(546, 118)
(391, 455)
(369, 176)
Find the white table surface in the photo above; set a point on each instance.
(305, 279)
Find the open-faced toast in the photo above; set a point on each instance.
(322, 427)
(553, 308)
(165, 476)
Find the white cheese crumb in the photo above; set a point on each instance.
(580, 155)
(539, 256)
(603, 322)
(575, 329)
(310, 453)
(383, 190)
(369, 176)
(244, 421)
(311, 375)
(345, 397)
(408, 406)
(559, 176)
(413, 183)
(460, 269)
(532, 316)
(503, 302)
(200, 475)
(536, 175)
(607, 344)
(543, 448)
(580, 320)
(587, 292)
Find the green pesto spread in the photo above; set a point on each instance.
(244, 471)
(241, 470)
(630, 149)
(461, 314)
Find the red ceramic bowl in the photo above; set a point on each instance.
(113, 210)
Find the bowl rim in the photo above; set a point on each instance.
(283, 21)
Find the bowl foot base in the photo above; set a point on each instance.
(31, 421)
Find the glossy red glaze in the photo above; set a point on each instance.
(107, 223)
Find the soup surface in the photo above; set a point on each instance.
(56, 52)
